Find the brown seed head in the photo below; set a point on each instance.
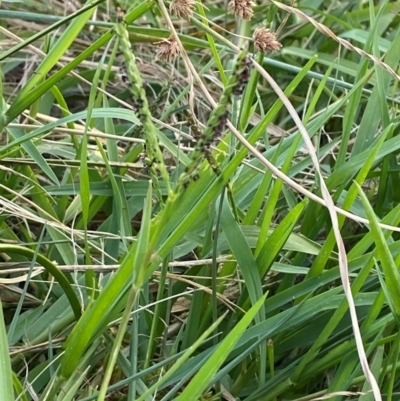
(241, 8)
(182, 8)
(168, 49)
(264, 40)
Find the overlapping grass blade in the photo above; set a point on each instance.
(6, 374)
(201, 380)
(392, 275)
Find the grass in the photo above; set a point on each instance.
(190, 213)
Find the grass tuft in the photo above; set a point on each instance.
(199, 200)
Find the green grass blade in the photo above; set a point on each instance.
(392, 275)
(6, 375)
(180, 362)
(51, 268)
(51, 28)
(327, 248)
(276, 241)
(201, 380)
(19, 135)
(58, 49)
(244, 256)
(211, 43)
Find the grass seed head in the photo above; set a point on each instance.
(265, 41)
(141, 104)
(242, 9)
(182, 8)
(168, 49)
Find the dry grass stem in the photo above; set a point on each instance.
(326, 31)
